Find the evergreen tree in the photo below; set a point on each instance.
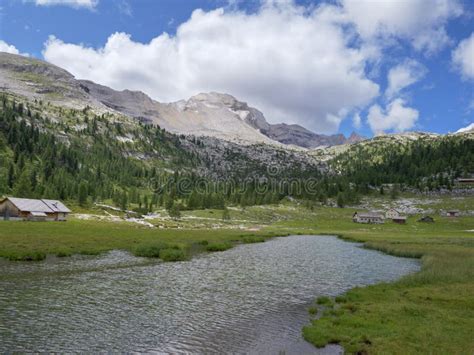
(341, 201)
(226, 214)
(22, 187)
(82, 194)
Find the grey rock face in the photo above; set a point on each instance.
(36, 79)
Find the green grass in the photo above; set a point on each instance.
(218, 246)
(252, 239)
(324, 301)
(33, 241)
(151, 250)
(172, 254)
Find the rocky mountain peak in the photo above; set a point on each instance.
(210, 114)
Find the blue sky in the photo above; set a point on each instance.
(328, 92)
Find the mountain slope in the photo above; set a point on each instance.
(206, 114)
(469, 128)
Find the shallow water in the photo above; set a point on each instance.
(250, 299)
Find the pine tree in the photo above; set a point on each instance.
(226, 214)
(11, 175)
(174, 212)
(82, 194)
(22, 186)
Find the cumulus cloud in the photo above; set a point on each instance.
(90, 4)
(463, 57)
(356, 121)
(422, 22)
(293, 63)
(404, 75)
(5, 47)
(396, 117)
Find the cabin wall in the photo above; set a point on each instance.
(9, 211)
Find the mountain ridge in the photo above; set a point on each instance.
(205, 114)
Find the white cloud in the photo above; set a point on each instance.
(125, 8)
(404, 75)
(292, 63)
(463, 57)
(420, 21)
(356, 121)
(90, 4)
(5, 47)
(396, 117)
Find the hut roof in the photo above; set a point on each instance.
(370, 215)
(32, 205)
(56, 206)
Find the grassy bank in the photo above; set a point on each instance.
(33, 241)
(431, 311)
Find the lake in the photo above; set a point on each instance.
(253, 298)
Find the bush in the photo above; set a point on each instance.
(218, 246)
(172, 254)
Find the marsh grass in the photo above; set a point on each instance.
(172, 254)
(252, 239)
(324, 301)
(213, 247)
(30, 256)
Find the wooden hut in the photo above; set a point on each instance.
(25, 209)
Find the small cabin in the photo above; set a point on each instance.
(392, 213)
(399, 220)
(452, 213)
(25, 209)
(426, 219)
(369, 218)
